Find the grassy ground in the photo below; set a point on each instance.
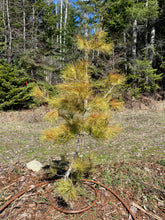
(142, 136)
(132, 163)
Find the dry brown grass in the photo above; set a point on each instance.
(143, 135)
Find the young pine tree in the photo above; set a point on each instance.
(145, 79)
(82, 103)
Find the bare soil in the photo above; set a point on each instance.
(34, 204)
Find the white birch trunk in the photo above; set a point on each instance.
(152, 42)
(33, 27)
(153, 36)
(146, 30)
(57, 22)
(134, 49)
(65, 20)
(66, 13)
(134, 39)
(4, 22)
(49, 73)
(125, 52)
(61, 21)
(10, 33)
(86, 24)
(24, 27)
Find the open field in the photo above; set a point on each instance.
(133, 163)
(142, 136)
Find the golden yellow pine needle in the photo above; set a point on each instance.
(116, 104)
(98, 104)
(75, 72)
(82, 43)
(37, 92)
(115, 79)
(97, 43)
(67, 190)
(59, 133)
(52, 115)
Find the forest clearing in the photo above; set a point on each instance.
(131, 164)
(82, 95)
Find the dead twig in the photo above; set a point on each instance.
(134, 210)
(6, 187)
(147, 212)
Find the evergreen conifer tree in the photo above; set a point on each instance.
(83, 104)
(15, 88)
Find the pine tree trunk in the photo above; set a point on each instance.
(75, 156)
(10, 33)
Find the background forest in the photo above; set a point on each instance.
(83, 59)
(37, 40)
